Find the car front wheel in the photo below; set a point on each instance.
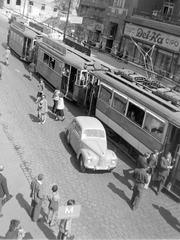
(81, 164)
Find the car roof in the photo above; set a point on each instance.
(89, 123)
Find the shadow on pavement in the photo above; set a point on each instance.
(27, 76)
(4, 45)
(28, 236)
(2, 62)
(33, 118)
(119, 192)
(50, 114)
(46, 230)
(167, 215)
(33, 98)
(124, 179)
(23, 203)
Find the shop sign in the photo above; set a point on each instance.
(153, 36)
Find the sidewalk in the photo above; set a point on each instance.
(18, 206)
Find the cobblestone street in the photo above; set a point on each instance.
(104, 197)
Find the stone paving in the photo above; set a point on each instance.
(104, 196)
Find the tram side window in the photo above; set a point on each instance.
(154, 126)
(119, 103)
(105, 94)
(51, 62)
(46, 59)
(135, 114)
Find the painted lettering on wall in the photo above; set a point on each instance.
(153, 36)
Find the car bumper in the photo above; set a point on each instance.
(96, 167)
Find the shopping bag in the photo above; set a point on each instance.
(6, 199)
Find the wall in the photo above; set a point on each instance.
(150, 5)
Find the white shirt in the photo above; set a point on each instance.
(60, 105)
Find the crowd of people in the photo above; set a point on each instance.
(37, 196)
(153, 168)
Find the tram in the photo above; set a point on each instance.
(22, 40)
(139, 118)
(63, 67)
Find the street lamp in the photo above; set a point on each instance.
(67, 19)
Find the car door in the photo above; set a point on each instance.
(76, 137)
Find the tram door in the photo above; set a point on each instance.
(79, 85)
(26, 48)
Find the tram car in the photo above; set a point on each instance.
(139, 119)
(22, 40)
(63, 67)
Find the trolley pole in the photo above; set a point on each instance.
(67, 19)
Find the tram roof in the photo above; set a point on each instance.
(70, 58)
(24, 31)
(140, 96)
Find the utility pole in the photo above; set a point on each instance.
(67, 19)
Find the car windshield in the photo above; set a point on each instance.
(94, 133)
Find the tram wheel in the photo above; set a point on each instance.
(81, 164)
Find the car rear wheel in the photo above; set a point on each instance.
(67, 137)
(81, 164)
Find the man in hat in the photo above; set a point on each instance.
(37, 197)
(7, 55)
(140, 178)
(3, 188)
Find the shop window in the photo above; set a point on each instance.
(154, 126)
(46, 59)
(51, 62)
(43, 6)
(135, 113)
(105, 94)
(8, 1)
(18, 2)
(119, 103)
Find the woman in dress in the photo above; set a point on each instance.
(60, 108)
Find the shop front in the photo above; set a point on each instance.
(159, 49)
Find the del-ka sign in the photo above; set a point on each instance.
(65, 212)
(153, 36)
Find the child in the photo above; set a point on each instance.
(40, 90)
(42, 109)
(53, 199)
(65, 225)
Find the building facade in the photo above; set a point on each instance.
(34, 8)
(155, 33)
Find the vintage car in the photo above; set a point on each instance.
(87, 137)
(130, 75)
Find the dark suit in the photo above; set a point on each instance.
(140, 176)
(163, 172)
(3, 189)
(37, 197)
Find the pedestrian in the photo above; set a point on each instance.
(65, 225)
(15, 231)
(140, 178)
(126, 57)
(40, 90)
(164, 167)
(60, 108)
(0, 72)
(37, 197)
(7, 56)
(152, 163)
(32, 69)
(142, 159)
(42, 110)
(3, 189)
(53, 199)
(55, 98)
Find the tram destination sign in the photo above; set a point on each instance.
(55, 45)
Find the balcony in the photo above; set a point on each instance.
(157, 16)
